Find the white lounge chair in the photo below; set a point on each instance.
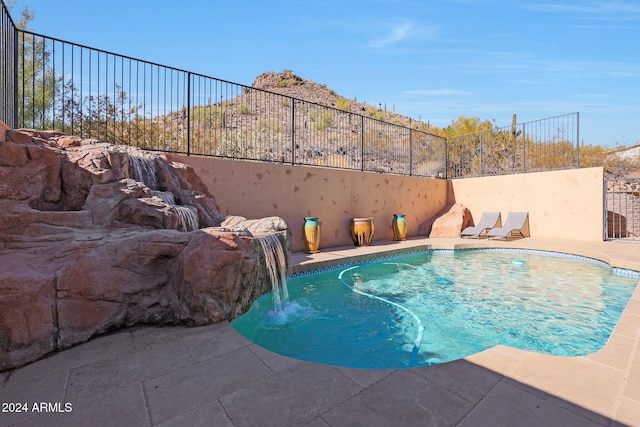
(488, 220)
(515, 227)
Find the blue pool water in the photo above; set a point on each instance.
(436, 306)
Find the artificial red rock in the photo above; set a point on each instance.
(452, 222)
(89, 243)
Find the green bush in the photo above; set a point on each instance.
(343, 104)
(376, 113)
(287, 79)
(322, 120)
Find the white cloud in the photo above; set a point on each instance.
(397, 33)
(404, 31)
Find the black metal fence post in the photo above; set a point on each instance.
(361, 143)
(446, 158)
(410, 150)
(188, 118)
(15, 77)
(524, 148)
(481, 158)
(578, 139)
(605, 217)
(293, 131)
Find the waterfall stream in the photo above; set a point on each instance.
(187, 215)
(165, 196)
(144, 170)
(276, 265)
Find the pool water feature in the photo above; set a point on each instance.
(275, 263)
(432, 307)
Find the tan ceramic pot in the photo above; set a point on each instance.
(362, 230)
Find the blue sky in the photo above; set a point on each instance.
(430, 60)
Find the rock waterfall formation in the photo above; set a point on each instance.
(90, 242)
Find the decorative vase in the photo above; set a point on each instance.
(311, 232)
(362, 230)
(399, 225)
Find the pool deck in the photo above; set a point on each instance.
(213, 376)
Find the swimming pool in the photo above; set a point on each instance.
(435, 306)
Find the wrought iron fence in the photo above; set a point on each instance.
(546, 144)
(8, 62)
(93, 93)
(622, 209)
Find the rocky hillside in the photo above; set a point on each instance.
(289, 84)
(623, 163)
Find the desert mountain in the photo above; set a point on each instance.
(289, 84)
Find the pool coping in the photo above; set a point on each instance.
(302, 262)
(339, 263)
(606, 382)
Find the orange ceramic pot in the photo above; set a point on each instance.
(362, 230)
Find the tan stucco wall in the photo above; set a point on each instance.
(561, 204)
(257, 190)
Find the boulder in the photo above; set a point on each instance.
(451, 221)
(214, 275)
(262, 226)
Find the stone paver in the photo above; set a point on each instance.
(401, 399)
(213, 342)
(628, 412)
(466, 380)
(210, 375)
(97, 378)
(507, 405)
(273, 361)
(632, 389)
(293, 397)
(101, 348)
(160, 338)
(576, 380)
(365, 377)
(187, 388)
(210, 414)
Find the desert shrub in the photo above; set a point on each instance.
(237, 144)
(592, 155)
(343, 104)
(376, 113)
(211, 115)
(271, 125)
(244, 109)
(287, 79)
(322, 120)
